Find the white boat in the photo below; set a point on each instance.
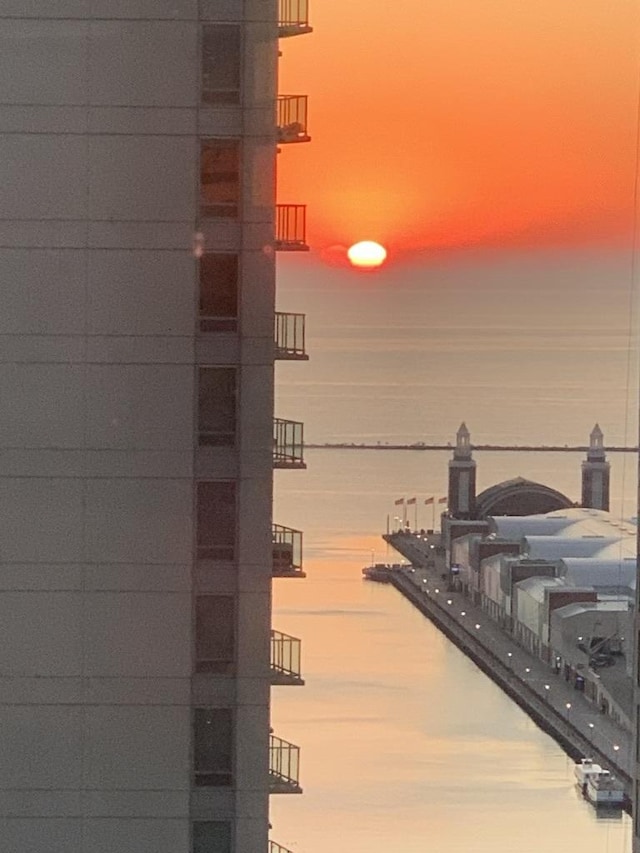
(585, 768)
(603, 789)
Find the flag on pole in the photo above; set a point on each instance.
(399, 502)
(411, 502)
(443, 500)
(429, 501)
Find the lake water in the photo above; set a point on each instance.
(406, 746)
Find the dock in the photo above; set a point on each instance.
(552, 703)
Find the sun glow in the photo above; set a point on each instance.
(367, 255)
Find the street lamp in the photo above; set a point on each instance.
(547, 688)
(568, 707)
(591, 727)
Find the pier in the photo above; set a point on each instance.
(553, 704)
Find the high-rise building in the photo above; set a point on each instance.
(138, 141)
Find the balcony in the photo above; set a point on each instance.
(293, 18)
(290, 336)
(292, 119)
(284, 767)
(287, 552)
(285, 660)
(288, 444)
(291, 228)
(277, 848)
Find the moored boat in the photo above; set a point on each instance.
(603, 789)
(381, 571)
(585, 768)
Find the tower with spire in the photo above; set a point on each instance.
(595, 473)
(462, 477)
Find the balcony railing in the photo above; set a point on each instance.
(285, 659)
(292, 118)
(290, 336)
(277, 848)
(288, 444)
(287, 552)
(291, 228)
(293, 18)
(284, 767)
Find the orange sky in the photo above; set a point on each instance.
(491, 122)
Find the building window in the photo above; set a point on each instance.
(215, 634)
(218, 293)
(221, 64)
(211, 836)
(220, 177)
(216, 520)
(213, 746)
(217, 406)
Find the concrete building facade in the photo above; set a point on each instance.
(137, 165)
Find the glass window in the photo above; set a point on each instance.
(215, 633)
(217, 406)
(221, 64)
(220, 177)
(218, 293)
(216, 525)
(213, 746)
(211, 836)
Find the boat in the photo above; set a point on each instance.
(585, 768)
(603, 789)
(381, 571)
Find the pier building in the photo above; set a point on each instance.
(138, 335)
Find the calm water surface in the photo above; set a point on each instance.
(406, 746)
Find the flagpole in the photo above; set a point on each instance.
(433, 514)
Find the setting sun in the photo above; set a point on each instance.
(367, 254)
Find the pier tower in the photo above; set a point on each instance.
(595, 473)
(462, 477)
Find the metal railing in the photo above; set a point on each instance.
(291, 228)
(284, 766)
(292, 118)
(286, 658)
(293, 17)
(290, 336)
(288, 444)
(287, 551)
(277, 848)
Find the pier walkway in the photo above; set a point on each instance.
(560, 710)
